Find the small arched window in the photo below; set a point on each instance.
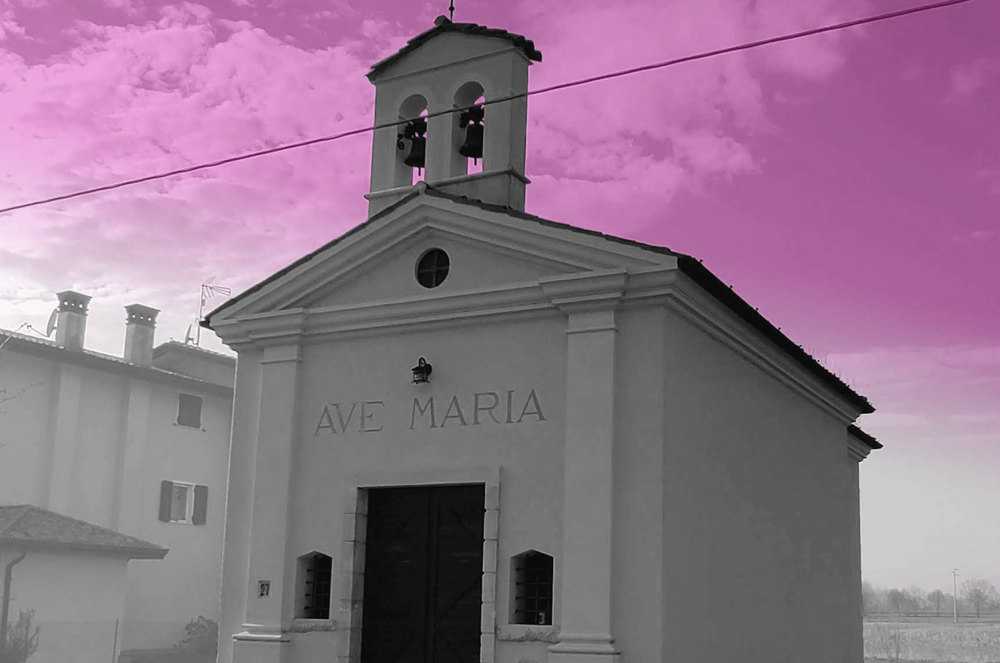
(531, 591)
(314, 580)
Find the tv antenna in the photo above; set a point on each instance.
(451, 12)
(207, 292)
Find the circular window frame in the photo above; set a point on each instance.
(419, 271)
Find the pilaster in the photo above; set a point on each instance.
(586, 629)
(62, 461)
(129, 491)
(269, 616)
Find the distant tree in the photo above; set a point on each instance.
(937, 600)
(979, 593)
(915, 599)
(896, 599)
(869, 597)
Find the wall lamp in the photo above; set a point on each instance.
(421, 372)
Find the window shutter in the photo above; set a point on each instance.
(200, 515)
(166, 493)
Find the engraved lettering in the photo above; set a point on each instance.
(479, 408)
(340, 416)
(368, 416)
(454, 406)
(537, 412)
(510, 400)
(325, 421)
(417, 409)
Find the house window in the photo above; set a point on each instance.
(189, 411)
(183, 503)
(531, 573)
(315, 572)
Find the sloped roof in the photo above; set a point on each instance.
(31, 526)
(442, 25)
(864, 437)
(170, 346)
(49, 348)
(688, 265)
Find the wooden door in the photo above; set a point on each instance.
(423, 575)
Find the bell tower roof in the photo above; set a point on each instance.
(443, 25)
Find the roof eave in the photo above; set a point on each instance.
(864, 437)
(131, 552)
(700, 274)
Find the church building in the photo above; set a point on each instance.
(466, 434)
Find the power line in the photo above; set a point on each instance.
(520, 95)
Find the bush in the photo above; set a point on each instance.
(22, 641)
(202, 636)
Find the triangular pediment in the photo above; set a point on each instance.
(488, 249)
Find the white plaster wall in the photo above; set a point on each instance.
(24, 427)
(162, 599)
(756, 521)
(196, 364)
(515, 356)
(76, 596)
(98, 437)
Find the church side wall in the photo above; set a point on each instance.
(390, 442)
(757, 522)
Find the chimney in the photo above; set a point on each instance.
(139, 330)
(71, 323)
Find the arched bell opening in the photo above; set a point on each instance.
(411, 141)
(469, 130)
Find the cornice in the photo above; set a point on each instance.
(597, 290)
(590, 291)
(857, 449)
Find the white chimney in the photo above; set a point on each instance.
(71, 323)
(139, 330)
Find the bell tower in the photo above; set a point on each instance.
(478, 153)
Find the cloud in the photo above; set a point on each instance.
(967, 79)
(646, 137)
(924, 394)
(197, 82)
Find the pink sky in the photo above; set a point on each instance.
(847, 185)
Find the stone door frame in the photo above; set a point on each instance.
(352, 552)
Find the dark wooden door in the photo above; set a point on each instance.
(423, 575)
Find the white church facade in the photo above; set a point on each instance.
(463, 433)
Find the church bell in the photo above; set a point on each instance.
(472, 121)
(414, 134)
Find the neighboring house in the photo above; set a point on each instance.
(137, 444)
(465, 433)
(72, 574)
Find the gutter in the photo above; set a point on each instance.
(5, 604)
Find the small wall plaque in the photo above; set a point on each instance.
(263, 588)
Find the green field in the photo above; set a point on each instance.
(932, 640)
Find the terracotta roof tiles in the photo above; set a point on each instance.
(442, 25)
(34, 527)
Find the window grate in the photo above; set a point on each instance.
(533, 588)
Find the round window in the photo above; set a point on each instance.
(432, 268)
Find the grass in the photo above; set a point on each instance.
(932, 641)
